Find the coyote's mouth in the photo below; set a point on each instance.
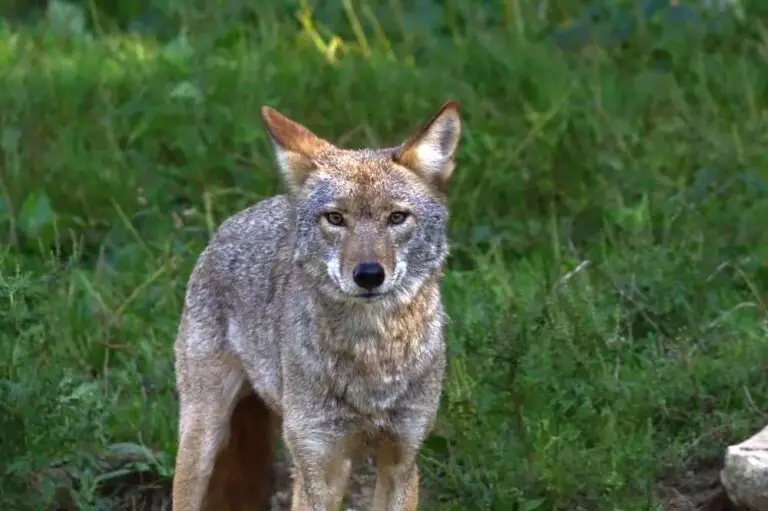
(370, 296)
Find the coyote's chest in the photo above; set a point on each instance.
(372, 362)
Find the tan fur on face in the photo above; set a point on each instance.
(363, 183)
(369, 241)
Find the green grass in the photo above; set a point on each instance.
(609, 263)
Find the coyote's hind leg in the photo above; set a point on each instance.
(209, 387)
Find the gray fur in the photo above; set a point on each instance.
(270, 308)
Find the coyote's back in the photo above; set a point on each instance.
(319, 311)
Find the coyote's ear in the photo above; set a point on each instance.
(430, 153)
(295, 147)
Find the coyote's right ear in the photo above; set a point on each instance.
(295, 147)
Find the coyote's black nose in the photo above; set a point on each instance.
(368, 275)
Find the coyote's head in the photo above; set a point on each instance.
(371, 223)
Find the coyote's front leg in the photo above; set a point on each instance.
(397, 482)
(321, 466)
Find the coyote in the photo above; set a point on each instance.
(317, 314)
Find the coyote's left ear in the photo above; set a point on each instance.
(430, 153)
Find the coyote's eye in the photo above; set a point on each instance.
(334, 218)
(398, 217)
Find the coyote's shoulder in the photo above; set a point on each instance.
(325, 304)
(243, 254)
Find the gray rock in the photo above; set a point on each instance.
(745, 472)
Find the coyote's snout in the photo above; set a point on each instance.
(320, 311)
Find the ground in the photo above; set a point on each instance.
(145, 491)
(606, 285)
(693, 488)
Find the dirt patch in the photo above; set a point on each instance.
(696, 488)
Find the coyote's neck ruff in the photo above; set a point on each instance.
(320, 307)
(384, 342)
